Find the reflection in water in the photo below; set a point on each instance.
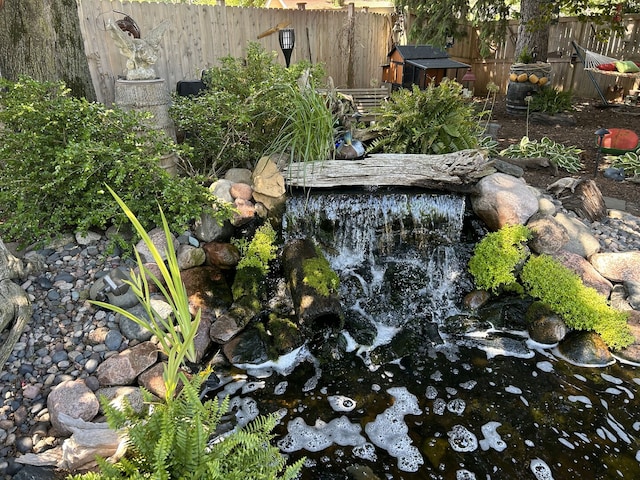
(406, 400)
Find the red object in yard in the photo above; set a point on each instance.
(620, 141)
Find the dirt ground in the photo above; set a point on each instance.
(589, 115)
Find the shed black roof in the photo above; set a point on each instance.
(437, 63)
(415, 52)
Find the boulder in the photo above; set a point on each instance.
(207, 289)
(238, 175)
(631, 354)
(503, 200)
(589, 275)
(241, 191)
(548, 236)
(222, 189)
(267, 179)
(544, 326)
(586, 349)
(581, 241)
(159, 240)
(248, 347)
(72, 398)
(124, 368)
(618, 266)
(633, 294)
(152, 380)
(207, 229)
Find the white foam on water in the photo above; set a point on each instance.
(529, 443)
(284, 365)
(636, 426)
(390, 432)
(636, 380)
(613, 391)
(513, 389)
(247, 410)
(545, 366)
(439, 405)
(468, 385)
(622, 435)
(451, 391)
(462, 440)
(436, 376)
(612, 379)
(638, 455)
(524, 401)
(340, 403)
(567, 443)
(463, 474)
(582, 436)
(492, 438)
(252, 386)
(315, 438)
(540, 469)
(457, 406)
(431, 392)
(582, 378)
(581, 399)
(281, 388)
(366, 451)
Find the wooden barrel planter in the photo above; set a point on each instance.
(525, 79)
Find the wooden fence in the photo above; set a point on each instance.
(352, 45)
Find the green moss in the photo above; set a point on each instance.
(319, 275)
(581, 307)
(496, 258)
(259, 251)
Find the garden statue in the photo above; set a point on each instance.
(141, 53)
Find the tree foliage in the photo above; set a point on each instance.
(434, 22)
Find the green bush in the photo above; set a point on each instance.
(496, 257)
(581, 307)
(431, 121)
(242, 110)
(552, 101)
(58, 152)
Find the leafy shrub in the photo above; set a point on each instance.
(630, 162)
(240, 112)
(177, 439)
(496, 256)
(581, 307)
(431, 121)
(566, 157)
(552, 101)
(58, 152)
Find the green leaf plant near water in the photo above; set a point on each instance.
(562, 156)
(502, 263)
(178, 437)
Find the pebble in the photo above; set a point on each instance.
(68, 338)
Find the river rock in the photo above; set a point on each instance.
(631, 354)
(503, 200)
(581, 241)
(207, 289)
(548, 236)
(224, 328)
(116, 397)
(476, 299)
(585, 349)
(224, 256)
(133, 330)
(190, 256)
(544, 326)
(202, 341)
(618, 266)
(589, 275)
(124, 368)
(73, 398)
(244, 213)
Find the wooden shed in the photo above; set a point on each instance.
(419, 65)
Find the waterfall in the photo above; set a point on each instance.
(396, 254)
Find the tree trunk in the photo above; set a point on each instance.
(533, 31)
(42, 39)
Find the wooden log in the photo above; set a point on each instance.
(316, 303)
(587, 201)
(458, 171)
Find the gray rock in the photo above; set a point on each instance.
(238, 175)
(544, 326)
(631, 354)
(207, 229)
(503, 200)
(131, 329)
(73, 398)
(189, 257)
(633, 294)
(87, 238)
(581, 240)
(159, 241)
(113, 340)
(221, 189)
(224, 328)
(117, 395)
(618, 298)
